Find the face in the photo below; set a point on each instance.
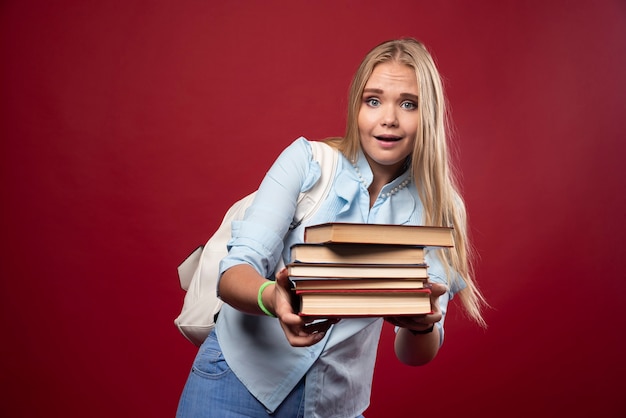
(388, 117)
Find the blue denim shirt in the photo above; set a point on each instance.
(339, 368)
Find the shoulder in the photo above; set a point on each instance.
(305, 147)
(296, 156)
(299, 147)
(295, 168)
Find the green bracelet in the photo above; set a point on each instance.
(259, 299)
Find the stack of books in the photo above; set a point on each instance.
(357, 270)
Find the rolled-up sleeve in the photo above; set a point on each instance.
(257, 240)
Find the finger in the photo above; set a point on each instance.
(284, 297)
(282, 278)
(302, 326)
(306, 340)
(320, 326)
(402, 321)
(291, 319)
(303, 337)
(415, 322)
(437, 289)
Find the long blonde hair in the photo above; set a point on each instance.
(430, 164)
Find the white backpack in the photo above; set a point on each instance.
(198, 273)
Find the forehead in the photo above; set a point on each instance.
(394, 75)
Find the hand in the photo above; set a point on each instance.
(423, 322)
(299, 332)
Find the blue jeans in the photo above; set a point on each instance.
(213, 391)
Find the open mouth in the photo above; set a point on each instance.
(388, 138)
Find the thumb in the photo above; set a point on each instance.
(282, 279)
(438, 289)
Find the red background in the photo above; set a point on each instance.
(128, 127)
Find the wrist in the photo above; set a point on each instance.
(423, 331)
(260, 300)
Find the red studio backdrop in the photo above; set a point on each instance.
(128, 127)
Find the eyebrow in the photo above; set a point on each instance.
(409, 96)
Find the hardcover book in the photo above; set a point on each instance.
(363, 303)
(306, 283)
(362, 271)
(357, 253)
(379, 234)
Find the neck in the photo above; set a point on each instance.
(384, 174)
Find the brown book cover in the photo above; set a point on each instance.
(337, 232)
(306, 283)
(362, 271)
(363, 303)
(357, 253)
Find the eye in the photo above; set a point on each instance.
(372, 102)
(408, 105)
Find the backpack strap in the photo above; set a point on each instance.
(199, 272)
(307, 205)
(310, 201)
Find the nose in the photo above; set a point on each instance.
(389, 117)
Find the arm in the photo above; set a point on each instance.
(416, 350)
(419, 349)
(239, 287)
(257, 243)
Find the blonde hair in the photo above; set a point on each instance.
(430, 165)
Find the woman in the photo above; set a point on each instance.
(265, 360)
